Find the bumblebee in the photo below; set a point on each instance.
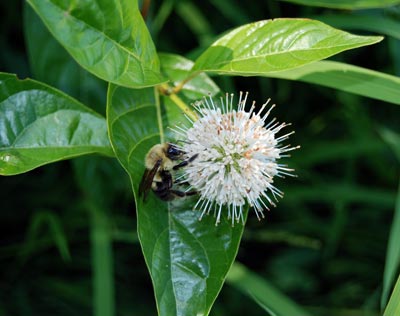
(160, 161)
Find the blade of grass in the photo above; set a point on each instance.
(392, 262)
(196, 21)
(392, 139)
(46, 219)
(102, 263)
(262, 292)
(393, 307)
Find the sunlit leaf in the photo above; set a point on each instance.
(349, 78)
(39, 125)
(107, 38)
(269, 46)
(187, 259)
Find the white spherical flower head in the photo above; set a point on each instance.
(236, 154)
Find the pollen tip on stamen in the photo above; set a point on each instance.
(270, 109)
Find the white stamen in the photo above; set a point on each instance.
(236, 157)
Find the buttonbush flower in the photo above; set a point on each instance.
(237, 153)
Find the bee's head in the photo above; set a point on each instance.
(173, 152)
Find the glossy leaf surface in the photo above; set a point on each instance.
(274, 45)
(40, 125)
(107, 38)
(188, 259)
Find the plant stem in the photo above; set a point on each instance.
(171, 93)
(102, 263)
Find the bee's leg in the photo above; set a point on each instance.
(183, 194)
(166, 180)
(162, 187)
(191, 193)
(185, 162)
(181, 182)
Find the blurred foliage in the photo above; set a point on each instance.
(324, 245)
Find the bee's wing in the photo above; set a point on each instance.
(147, 180)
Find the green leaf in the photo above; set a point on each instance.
(263, 293)
(40, 125)
(393, 307)
(46, 53)
(107, 38)
(384, 25)
(344, 4)
(177, 68)
(349, 78)
(269, 46)
(187, 259)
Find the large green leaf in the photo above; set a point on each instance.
(269, 46)
(46, 53)
(107, 38)
(349, 78)
(188, 259)
(345, 4)
(39, 125)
